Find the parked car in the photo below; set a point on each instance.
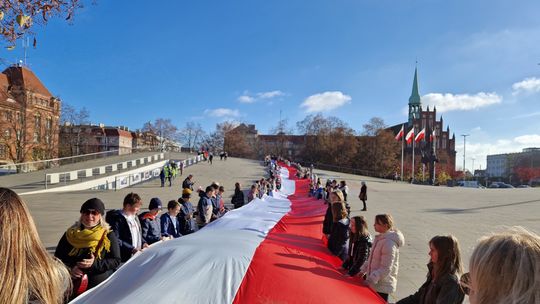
(506, 186)
(523, 186)
(494, 186)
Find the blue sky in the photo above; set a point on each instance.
(209, 61)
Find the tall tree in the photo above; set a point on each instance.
(73, 137)
(215, 141)
(191, 135)
(377, 149)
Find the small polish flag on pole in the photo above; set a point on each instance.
(410, 136)
(432, 137)
(400, 133)
(421, 135)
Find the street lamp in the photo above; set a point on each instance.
(464, 144)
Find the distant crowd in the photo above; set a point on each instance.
(504, 267)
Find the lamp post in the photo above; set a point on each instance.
(464, 144)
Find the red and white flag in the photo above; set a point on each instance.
(400, 133)
(432, 137)
(421, 135)
(410, 136)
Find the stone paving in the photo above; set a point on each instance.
(420, 212)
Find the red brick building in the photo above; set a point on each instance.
(444, 142)
(29, 116)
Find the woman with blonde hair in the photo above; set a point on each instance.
(89, 248)
(27, 271)
(444, 267)
(381, 268)
(505, 268)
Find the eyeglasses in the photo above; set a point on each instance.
(92, 212)
(465, 283)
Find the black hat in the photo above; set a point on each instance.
(154, 203)
(94, 204)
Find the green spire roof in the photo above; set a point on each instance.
(415, 96)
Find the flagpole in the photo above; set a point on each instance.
(412, 170)
(402, 147)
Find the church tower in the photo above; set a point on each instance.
(415, 105)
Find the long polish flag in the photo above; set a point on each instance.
(410, 136)
(268, 251)
(400, 133)
(421, 135)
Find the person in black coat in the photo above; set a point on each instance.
(170, 226)
(90, 247)
(186, 217)
(127, 227)
(363, 195)
(337, 243)
(359, 246)
(238, 197)
(188, 182)
(442, 283)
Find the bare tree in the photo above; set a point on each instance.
(162, 127)
(73, 136)
(191, 135)
(374, 126)
(215, 141)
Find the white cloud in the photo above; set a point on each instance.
(251, 98)
(271, 94)
(222, 112)
(325, 101)
(528, 85)
(460, 102)
(531, 140)
(246, 99)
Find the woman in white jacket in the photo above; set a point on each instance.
(381, 269)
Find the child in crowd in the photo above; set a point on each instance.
(337, 243)
(359, 245)
(170, 227)
(444, 267)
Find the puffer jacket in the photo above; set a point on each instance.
(382, 266)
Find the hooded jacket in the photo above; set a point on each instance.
(382, 266)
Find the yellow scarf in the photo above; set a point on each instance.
(85, 238)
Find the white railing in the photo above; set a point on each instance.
(58, 177)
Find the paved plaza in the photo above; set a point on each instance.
(420, 212)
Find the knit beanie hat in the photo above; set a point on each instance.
(94, 204)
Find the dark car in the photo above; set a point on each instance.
(493, 186)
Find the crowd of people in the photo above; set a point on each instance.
(504, 267)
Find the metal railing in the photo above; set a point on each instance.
(55, 162)
(350, 170)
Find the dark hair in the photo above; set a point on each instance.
(343, 183)
(449, 256)
(221, 188)
(237, 186)
(209, 188)
(361, 227)
(172, 204)
(132, 199)
(214, 186)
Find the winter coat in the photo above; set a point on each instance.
(204, 210)
(358, 254)
(337, 243)
(101, 269)
(120, 226)
(151, 228)
(446, 290)
(363, 193)
(382, 266)
(215, 205)
(238, 199)
(185, 217)
(187, 184)
(328, 220)
(168, 226)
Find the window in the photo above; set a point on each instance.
(36, 137)
(9, 115)
(3, 151)
(48, 124)
(7, 133)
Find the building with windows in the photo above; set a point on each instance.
(29, 116)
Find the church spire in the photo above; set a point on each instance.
(415, 96)
(415, 106)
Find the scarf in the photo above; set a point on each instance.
(149, 215)
(85, 238)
